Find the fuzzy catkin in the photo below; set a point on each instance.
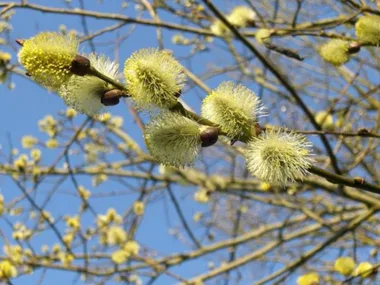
(278, 157)
(173, 139)
(234, 108)
(154, 78)
(83, 93)
(47, 58)
(368, 29)
(335, 52)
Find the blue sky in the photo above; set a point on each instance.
(22, 107)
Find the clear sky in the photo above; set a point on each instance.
(22, 107)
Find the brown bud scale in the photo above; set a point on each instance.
(111, 97)
(354, 47)
(20, 42)
(80, 65)
(209, 136)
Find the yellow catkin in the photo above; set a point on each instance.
(368, 29)
(278, 157)
(335, 52)
(171, 131)
(344, 265)
(241, 16)
(47, 58)
(308, 279)
(154, 78)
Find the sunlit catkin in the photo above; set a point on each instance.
(278, 157)
(83, 93)
(234, 108)
(241, 16)
(335, 51)
(154, 78)
(368, 29)
(173, 139)
(47, 58)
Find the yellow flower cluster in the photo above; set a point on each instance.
(70, 113)
(46, 216)
(7, 270)
(99, 179)
(241, 16)
(308, 279)
(154, 78)
(68, 238)
(21, 232)
(346, 266)
(110, 231)
(117, 121)
(325, 120)
(21, 162)
(262, 35)
(73, 222)
(220, 29)
(130, 248)
(138, 208)
(368, 29)
(335, 51)
(51, 143)
(28, 141)
(47, 57)
(14, 253)
(202, 196)
(84, 93)
(278, 157)
(84, 193)
(48, 125)
(171, 131)
(110, 217)
(35, 154)
(234, 108)
(364, 269)
(5, 57)
(115, 235)
(66, 258)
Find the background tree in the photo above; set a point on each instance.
(83, 200)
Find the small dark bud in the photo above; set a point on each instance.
(28, 74)
(209, 136)
(251, 23)
(20, 42)
(354, 47)
(258, 129)
(359, 180)
(80, 65)
(363, 131)
(178, 94)
(110, 102)
(112, 97)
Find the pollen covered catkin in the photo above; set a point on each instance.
(83, 93)
(335, 51)
(173, 139)
(234, 108)
(47, 58)
(154, 78)
(278, 157)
